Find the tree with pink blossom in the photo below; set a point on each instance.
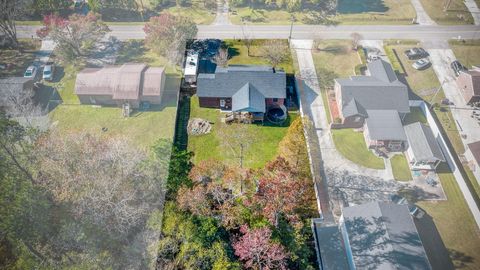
(257, 251)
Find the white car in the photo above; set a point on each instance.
(48, 71)
(31, 72)
(421, 64)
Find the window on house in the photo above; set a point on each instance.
(222, 102)
(357, 119)
(275, 100)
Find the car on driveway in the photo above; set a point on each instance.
(48, 71)
(457, 67)
(421, 64)
(31, 72)
(416, 53)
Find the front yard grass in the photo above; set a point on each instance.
(333, 59)
(239, 54)
(400, 168)
(196, 11)
(468, 52)
(17, 61)
(455, 223)
(143, 128)
(262, 147)
(352, 146)
(348, 12)
(456, 14)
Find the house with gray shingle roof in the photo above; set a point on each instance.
(375, 96)
(423, 152)
(375, 235)
(242, 88)
(382, 236)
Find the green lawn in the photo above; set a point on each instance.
(333, 59)
(197, 12)
(18, 60)
(260, 148)
(455, 223)
(400, 168)
(142, 128)
(424, 84)
(415, 115)
(239, 54)
(456, 14)
(393, 12)
(352, 146)
(468, 52)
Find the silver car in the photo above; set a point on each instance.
(421, 64)
(31, 72)
(48, 71)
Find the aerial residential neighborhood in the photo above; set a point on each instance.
(239, 134)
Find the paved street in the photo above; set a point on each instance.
(420, 32)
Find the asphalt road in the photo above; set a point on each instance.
(419, 32)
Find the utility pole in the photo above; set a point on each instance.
(447, 5)
(241, 155)
(436, 93)
(291, 28)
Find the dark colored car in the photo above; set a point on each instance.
(457, 67)
(416, 53)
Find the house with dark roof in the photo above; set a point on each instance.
(379, 96)
(242, 88)
(468, 83)
(118, 85)
(473, 156)
(374, 235)
(423, 152)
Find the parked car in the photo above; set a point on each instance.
(48, 71)
(421, 64)
(457, 67)
(416, 53)
(31, 72)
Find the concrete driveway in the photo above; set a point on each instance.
(441, 56)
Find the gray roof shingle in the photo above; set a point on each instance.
(249, 99)
(382, 236)
(227, 81)
(423, 143)
(385, 125)
(380, 91)
(330, 245)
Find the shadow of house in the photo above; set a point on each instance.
(437, 253)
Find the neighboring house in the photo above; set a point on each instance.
(374, 235)
(423, 152)
(469, 84)
(383, 128)
(473, 156)
(118, 85)
(381, 90)
(242, 88)
(13, 89)
(329, 247)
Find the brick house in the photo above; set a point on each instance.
(242, 88)
(469, 84)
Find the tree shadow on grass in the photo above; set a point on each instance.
(355, 6)
(132, 51)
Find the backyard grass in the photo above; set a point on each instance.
(239, 54)
(333, 59)
(415, 115)
(400, 168)
(455, 223)
(352, 146)
(348, 12)
(262, 147)
(17, 61)
(197, 12)
(468, 52)
(456, 14)
(143, 128)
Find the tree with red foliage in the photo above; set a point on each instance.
(168, 34)
(257, 251)
(281, 190)
(76, 36)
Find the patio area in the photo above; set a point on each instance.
(427, 186)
